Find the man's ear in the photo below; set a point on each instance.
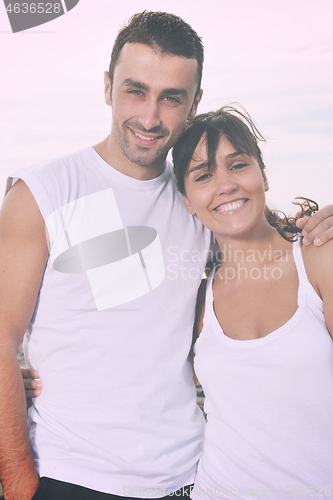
(266, 186)
(195, 105)
(188, 205)
(107, 89)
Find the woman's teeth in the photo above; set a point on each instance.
(229, 207)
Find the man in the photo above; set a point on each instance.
(107, 292)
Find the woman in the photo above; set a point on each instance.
(264, 355)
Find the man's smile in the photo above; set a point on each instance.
(146, 138)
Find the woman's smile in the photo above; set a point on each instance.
(231, 206)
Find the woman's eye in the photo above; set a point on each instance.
(203, 177)
(238, 166)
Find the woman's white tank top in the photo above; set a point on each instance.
(269, 405)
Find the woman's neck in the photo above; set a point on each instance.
(264, 246)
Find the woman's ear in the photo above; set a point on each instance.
(188, 205)
(266, 186)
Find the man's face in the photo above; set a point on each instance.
(152, 97)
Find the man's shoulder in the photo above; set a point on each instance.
(76, 159)
(171, 180)
(54, 182)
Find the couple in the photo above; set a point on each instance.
(103, 297)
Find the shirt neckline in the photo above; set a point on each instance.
(124, 179)
(275, 334)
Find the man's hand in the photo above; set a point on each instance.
(319, 228)
(32, 386)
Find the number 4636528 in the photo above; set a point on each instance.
(33, 8)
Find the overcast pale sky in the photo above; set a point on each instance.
(273, 56)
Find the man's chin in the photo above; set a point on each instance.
(147, 160)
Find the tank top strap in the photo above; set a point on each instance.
(304, 286)
(209, 299)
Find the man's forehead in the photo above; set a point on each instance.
(140, 60)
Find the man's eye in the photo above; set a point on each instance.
(173, 100)
(135, 92)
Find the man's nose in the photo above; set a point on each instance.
(150, 116)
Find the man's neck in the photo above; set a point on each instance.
(114, 156)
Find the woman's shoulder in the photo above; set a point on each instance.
(318, 263)
(317, 254)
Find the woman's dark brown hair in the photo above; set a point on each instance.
(242, 133)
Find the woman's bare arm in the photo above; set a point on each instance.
(319, 267)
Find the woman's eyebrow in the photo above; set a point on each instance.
(205, 165)
(197, 167)
(236, 153)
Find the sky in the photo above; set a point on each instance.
(275, 57)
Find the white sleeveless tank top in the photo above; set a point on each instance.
(112, 329)
(269, 405)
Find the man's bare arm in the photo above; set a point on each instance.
(23, 256)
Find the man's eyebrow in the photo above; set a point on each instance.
(128, 82)
(175, 91)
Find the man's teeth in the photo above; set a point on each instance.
(144, 137)
(229, 207)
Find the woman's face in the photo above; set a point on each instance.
(229, 200)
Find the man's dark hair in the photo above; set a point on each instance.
(164, 32)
